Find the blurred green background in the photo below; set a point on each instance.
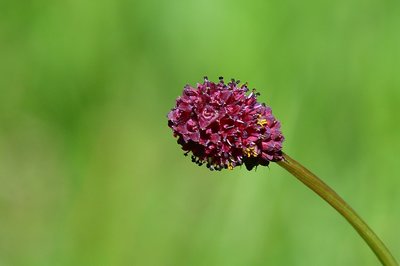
(91, 175)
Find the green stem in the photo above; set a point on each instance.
(330, 196)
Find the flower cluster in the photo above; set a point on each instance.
(223, 126)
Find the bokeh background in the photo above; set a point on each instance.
(91, 175)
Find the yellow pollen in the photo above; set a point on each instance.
(230, 167)
(262, 122)
(250, 152)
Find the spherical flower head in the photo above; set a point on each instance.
(224, 126)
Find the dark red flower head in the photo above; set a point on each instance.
(224, 127)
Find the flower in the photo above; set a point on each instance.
(223, 127)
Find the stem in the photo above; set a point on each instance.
(330, 196)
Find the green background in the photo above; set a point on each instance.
(91, 175)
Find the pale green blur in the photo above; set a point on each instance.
(91, 175)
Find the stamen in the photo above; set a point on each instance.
(262, 122)
(250, 152)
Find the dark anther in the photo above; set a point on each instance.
(255, 92)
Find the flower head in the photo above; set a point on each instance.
(223, 126)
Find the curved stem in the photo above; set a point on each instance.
(330, 196)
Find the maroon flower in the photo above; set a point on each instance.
(224, 127)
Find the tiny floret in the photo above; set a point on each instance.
(223, 126)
